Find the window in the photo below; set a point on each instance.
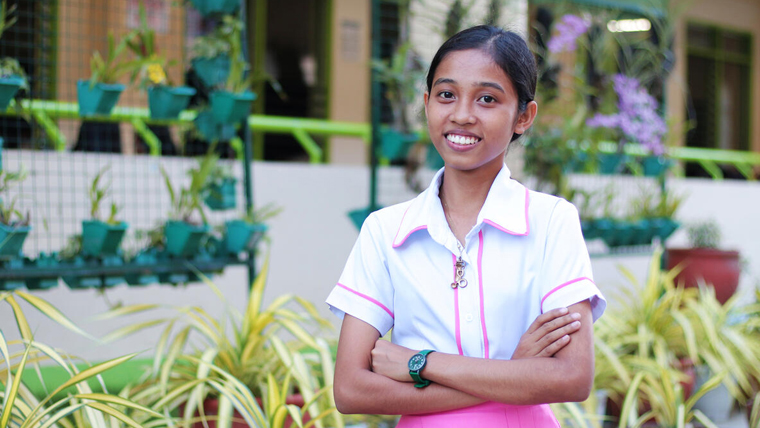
(718, 69)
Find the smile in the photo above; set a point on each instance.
(462, 140)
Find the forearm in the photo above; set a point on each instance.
(370, 393)
(520, 382)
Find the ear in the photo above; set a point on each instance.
(525, 120)
(425, 99)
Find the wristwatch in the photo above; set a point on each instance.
(416, 364)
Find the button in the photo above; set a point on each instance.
(468, 317)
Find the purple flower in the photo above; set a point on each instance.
(637, 118)
(568, 29)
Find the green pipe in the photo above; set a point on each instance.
(311, 147)
(153, 143)
(51, 129)
(287, 125)
(237, 145)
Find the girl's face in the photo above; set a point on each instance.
(472, 111)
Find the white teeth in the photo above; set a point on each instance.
(461, 139)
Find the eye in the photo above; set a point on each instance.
(447, 95)
(488, 99)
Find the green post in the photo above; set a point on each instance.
(376, 106)
(248, 158)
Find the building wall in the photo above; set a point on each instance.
(740, 15)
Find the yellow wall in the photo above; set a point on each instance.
(739, 15)
(350, 75)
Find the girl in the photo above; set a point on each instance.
(460, 271)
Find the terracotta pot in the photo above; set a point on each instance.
(211, 408)
(718, 268)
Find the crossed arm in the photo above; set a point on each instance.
(372, 375)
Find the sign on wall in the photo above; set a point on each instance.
(157, 12)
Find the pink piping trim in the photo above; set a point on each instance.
(527, 223)
(398, 244)
(480, 285)
(456, 311)
(557, 288)
(382, 306)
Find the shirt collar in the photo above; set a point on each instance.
(505, 209)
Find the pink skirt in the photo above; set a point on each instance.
(485, 415)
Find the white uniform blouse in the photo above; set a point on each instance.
(524, 256)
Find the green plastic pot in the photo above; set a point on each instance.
(242, 236)
(664, 227)
(12, 240)
(212, 71)
(589, 229)
(210, 130)
(433, 159)
(8, 88)
(144, 276)
(43, 261)
(641, 232)
(656, 166)
(611, 163)
(112, 281)
(167, 102)
(12, 284)
(98, 100)
(101, 239)
(216, 7)
(229, 108)
(222, 196)
(81, 282)
(184, 239)
(395, 145)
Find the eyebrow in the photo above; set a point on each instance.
(481, 84)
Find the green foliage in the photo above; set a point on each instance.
(226, 39)
(96, 193)
(8, 210)
(401, 74)
(704, 235)
(653, 203)
(262, 214)
(187, 201)
(108, 70)
(151, 67)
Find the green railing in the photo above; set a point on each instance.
(46, 112)
(709, 159)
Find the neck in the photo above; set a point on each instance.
(463, 194)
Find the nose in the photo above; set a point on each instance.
(462, 114)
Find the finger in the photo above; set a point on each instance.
(546, 317)
(556, 334)
(555, 346)
(559, 322)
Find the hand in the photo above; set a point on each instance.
(391, 360)
(549, 333)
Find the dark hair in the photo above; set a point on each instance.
(507, 49)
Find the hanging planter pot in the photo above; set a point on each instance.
(99, 99)
(642, 232)
(75, 281)
(589, 229)
(222, 196)
(655, 166)
(394, 145)
(8, 88)
(12, 240)
(663, 227)
(167, 102)
(113, 280)
(144, 276)
(229, 108)
(611, 163)
(210, 130)
(184, 239)
(43, 261)
(433, 159)
(212, 71)
(101, 239)
(216, 7)
(12, 284)
(242, 236)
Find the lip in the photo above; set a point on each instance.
(461, 147)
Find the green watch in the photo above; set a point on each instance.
(416, 364)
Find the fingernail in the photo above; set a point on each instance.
(576, 316)
(576, 324)
(563, 310)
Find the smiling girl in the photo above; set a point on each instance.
(486, 284)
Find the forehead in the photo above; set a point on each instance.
(472, 66)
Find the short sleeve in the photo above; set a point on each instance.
(364, 290)
(566, 277)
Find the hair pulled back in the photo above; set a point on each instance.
(507, 49)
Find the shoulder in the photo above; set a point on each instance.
(384, 223)
(545, 209)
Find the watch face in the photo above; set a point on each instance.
(417, 362)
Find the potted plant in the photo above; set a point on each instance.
(220, 189)
(211, 59)
(195, 370)
(101, 238)
(704, 262)
(165, 101)
(215, 7)
(245, 233)
(14, 227)
(99, 94)
(12, 75)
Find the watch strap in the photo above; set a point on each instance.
(419, 381)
